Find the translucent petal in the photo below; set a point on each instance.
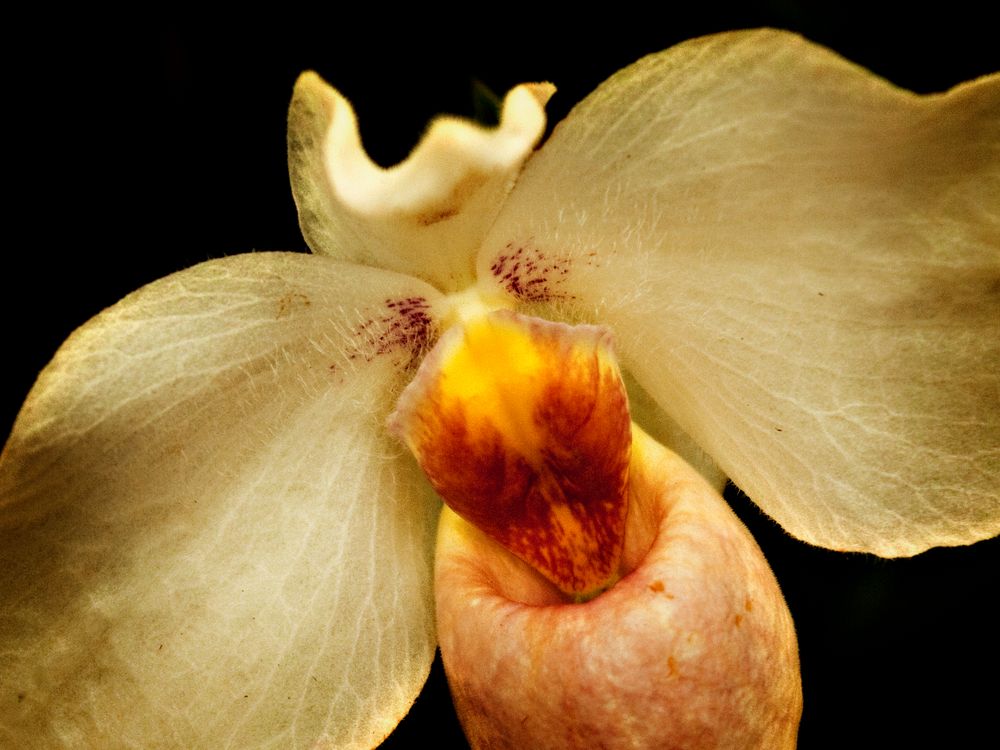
(207, 540)
(427, 215)
(801, 264)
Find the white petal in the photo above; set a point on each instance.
(206, 538)
(801, 264)
(427, 215)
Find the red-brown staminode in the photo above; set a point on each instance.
(522, 426)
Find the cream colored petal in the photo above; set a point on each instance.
(665, 430)
(207, 540)
(427, 215)
(801, 264)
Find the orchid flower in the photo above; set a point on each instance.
(208, 535)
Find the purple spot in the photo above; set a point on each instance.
(531, 275)
(402, 330)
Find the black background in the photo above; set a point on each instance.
(137, 146)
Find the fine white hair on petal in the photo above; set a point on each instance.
(207, 539)
(801, 264)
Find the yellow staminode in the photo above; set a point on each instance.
(497, 367)
(522, 426)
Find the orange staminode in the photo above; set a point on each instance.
(522, 426)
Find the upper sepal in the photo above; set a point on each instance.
(425, 216)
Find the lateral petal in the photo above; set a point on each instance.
(425, 216)
(206, 538)
(801, 264)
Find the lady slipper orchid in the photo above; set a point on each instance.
(211, 536)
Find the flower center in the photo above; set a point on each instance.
(470, 304)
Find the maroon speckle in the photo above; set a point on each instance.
(530, 275)
(402, 329)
